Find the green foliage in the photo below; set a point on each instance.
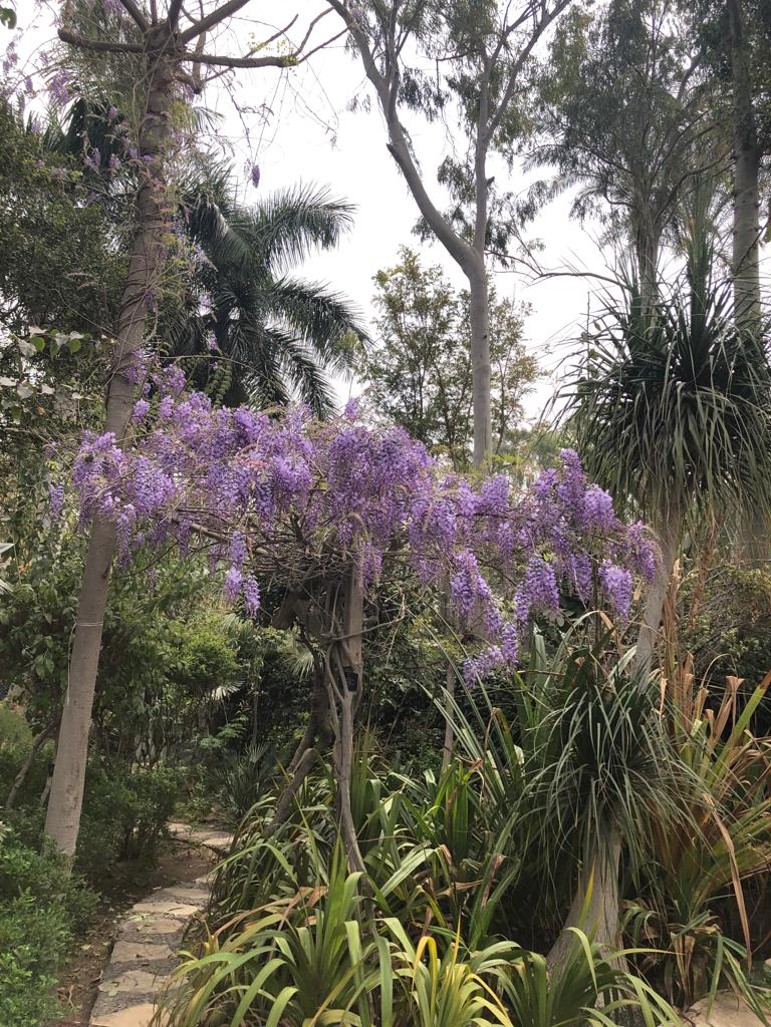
(265, 335)
(42, 907)
(14, 729)
(725, 621)
(322, 951)
(57, 262)
(418, 372)
(624, 117)
(126, 813)
(672, 413)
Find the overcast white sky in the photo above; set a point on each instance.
(310, 135)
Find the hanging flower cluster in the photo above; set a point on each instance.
(288, 499)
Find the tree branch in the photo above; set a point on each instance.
(216, 16)
(238, 62)
(133, 11)
(398, 147)
(98, 45)
(174, 8)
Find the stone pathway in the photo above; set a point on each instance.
(147, 941)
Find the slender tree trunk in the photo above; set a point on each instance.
(746, 230)
(595, 906)
(21, 777)
(145, 266)
(480, 364)
(647, 249)
(305, 754)
(345, 667)
(648, 635)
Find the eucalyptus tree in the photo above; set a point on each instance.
(626, 116)
(469, 62)
(145, 54)
(735, 37)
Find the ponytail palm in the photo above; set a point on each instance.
(262, 333)
(672, 413)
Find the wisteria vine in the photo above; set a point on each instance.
(281, 497)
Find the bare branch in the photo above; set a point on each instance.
(302, 59)
(98, 45)
(217, 15)
(239, 62)
(174, 8)
(133, 11)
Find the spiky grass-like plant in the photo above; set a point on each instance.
(671, 411)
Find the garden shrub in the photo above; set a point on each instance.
(42, 908)
(125, 813)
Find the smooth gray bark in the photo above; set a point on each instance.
(648, 636)
(746, 201)
(145, 267)
(595, 906)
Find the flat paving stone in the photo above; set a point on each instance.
(148, 939)
(132, 1016)
(142, 982)
(727, 1011)
(168, 907)
(139, 953)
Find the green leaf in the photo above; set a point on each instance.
(8, 17)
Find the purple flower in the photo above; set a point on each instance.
(538, 592)
(56, 500)
(59, 87)
(255, 175)
(617, 583)
(233, 582)
(141, 409)
(237, 551)
(598, 509)
(251, 592)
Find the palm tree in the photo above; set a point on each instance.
(673, 413)
(246, 328)
(253, 330)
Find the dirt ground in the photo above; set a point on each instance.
(179, 863)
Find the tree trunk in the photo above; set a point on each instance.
(595, 906)
(145, 267)
(746, 231)
(647, 252)
(480, 363)
(344, 677)
(648, 635)
(305, 754)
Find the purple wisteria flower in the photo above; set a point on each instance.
(254, 174)
(234, 579)
(618, 585)
(251, 593)
(59, 87)
(141, 410)
(298, 500)
(56, 500)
